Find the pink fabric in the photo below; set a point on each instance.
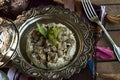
(104, 53)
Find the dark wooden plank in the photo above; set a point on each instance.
(104, 41)
(106, 1)
(108, 71)
(113, 10)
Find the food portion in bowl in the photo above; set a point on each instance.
(4, 39)
(50, 46)
(8, 40)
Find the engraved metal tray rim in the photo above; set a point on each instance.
(80, 62)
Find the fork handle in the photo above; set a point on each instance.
(116, 48)
(106, 33)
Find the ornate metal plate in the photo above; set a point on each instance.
(8, 40)
(80, 61)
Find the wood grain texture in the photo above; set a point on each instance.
(108, 71)
(105, 1)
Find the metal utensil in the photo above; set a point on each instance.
(92, 16)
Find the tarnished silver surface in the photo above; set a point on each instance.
(83, 35)
(9, 42)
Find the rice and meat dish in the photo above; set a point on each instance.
(50, 45)
(4, 40)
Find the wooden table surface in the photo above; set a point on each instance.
(109, 70)
(104, 1)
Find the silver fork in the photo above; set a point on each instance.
(92, 16)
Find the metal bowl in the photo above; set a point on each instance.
(8, 40)
(54, 14)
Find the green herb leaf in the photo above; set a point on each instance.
(57, 31)
(50, 33)
(54, 42)
(53, 39)
(41, 29)
(51, 36)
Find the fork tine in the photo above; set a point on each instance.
(89, 8)
(85, 9)
(92, 7)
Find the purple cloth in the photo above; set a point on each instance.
(104, 53)
(14, 74)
